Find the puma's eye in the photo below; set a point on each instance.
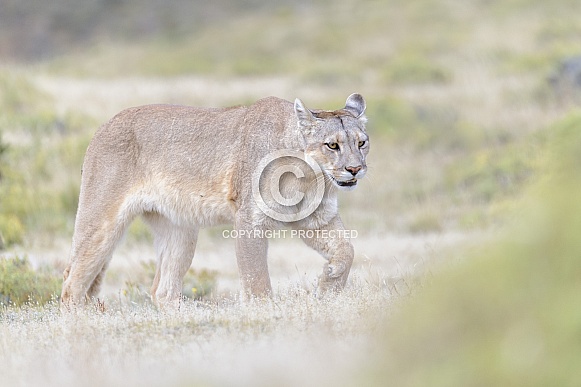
(361, 144)
(332, 145)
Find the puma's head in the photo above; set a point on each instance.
(336, 140)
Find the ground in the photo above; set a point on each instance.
(465, 141)
(283, 340)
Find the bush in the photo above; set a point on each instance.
(3, 148)
(20, 284)
(40, 171)
(11, 230)
(10, 227)
(509, 313)
(415, 70)
(424, 126)
(491, 173)
(198, 284)
(426, 221)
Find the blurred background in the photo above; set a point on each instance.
(460, 95)
(468, 103)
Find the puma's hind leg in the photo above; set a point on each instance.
(175, 247)
(94, 240)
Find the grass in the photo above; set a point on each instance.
(462, 87)
(198, 284)
(20, 284)
(414, 69)
(506, 314)
(501, 312)
(40, 163)
(468, 139)
(125, 342)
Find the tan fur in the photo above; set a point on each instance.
(183, 168)
(330, 114)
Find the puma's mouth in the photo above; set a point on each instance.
(348, 183)
(345, 184)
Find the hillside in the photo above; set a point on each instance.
(456, 92)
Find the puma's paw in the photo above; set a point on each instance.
(333, 278)
(328, 285)
(335, 270)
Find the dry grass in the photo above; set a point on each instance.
(294, 338)
(458, 103)
(285, 340)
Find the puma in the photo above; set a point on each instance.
(183, 168)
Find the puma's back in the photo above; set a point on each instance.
(182, 154)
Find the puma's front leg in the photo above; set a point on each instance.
(251, 254)
(330, 241)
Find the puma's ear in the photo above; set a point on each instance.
(304, 115)
(356, 104)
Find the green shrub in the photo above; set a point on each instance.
(20, 283)
(139, 231)
(198, 284)
(426, 221)
(414, 69)
(11, 230)
(40, 172)
(508, 313)
(424, 126)
(490, 173)
(3, 148)
(390, 116)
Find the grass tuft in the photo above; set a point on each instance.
(20, 284)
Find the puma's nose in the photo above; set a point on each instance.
(353, 170)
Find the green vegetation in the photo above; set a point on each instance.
(469, 140)
(20, 284)
(198, 284)
(453, 172)
(392, 43)
(41, 166)
(415, 69)
(490, 173)
(463, 86)
(3, 218)
(508, 312)
(3, 149)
